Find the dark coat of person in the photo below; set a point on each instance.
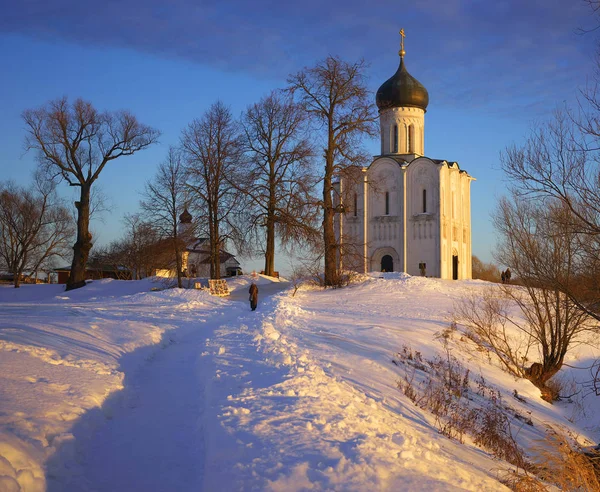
(253, 296)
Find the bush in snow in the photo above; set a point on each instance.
(549, 325)
(461, 407)
(560, 461)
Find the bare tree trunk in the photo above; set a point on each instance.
(330, 270)
(83, 245)
(214, 239)
(270, 243)
(17, 277)
(217, 249)
(270, 249)
(20, 270)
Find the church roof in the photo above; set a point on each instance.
(185, 217)
(404, 162)
(402, 90)
(201, 246)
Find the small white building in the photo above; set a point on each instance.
(196, 255)
(196, 260)
(406, 212)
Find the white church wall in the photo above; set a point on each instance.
(455, 221)
(437, 224)
(385, 213)
(423, 218)
(445, 224)
(196, 266)
(467, 231)
(349, 226)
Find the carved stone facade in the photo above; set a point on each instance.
(406, 212)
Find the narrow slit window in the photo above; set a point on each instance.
(355, 205)
(424, 201)
(395, 142)
(410, 141)
(387, 203)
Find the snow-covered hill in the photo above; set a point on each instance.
(119, 386)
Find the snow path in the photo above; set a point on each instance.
(146, 437)
(155, 433)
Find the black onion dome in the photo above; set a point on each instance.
(185, 217)
(402, 90)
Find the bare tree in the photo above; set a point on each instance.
(34, 227)
(558, 162)
(484, 271)
(334, 95)
(75, 142)
(277, 178)
(491, 326)
(211, 147)
(112, 258)
(541, 243)
(545, 253)
(140, 251)
(164, 199)
(140, 247)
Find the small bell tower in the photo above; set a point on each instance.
(402, 101)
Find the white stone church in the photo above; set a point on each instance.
(406, 212)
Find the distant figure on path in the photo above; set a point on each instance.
(507, 275)
(253, 296)
(503, 276)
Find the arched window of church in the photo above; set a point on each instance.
(395, 140)
(355, 204)
(424, 201)
(387, 203)
(410, 142)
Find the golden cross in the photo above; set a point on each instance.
(402, 52)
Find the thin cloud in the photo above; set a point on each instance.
(468, 54)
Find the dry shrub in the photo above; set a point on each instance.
(494, 432)
(551, 323)
(559, 461)
(443, 387)
(555, 389)
(489, 325)
(522, 482)
(563, 463)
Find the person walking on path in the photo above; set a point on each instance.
(253, 296)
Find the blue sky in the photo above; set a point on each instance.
(492, 69)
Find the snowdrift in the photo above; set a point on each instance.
(121, 387)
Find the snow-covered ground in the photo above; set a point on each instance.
(124, 386)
